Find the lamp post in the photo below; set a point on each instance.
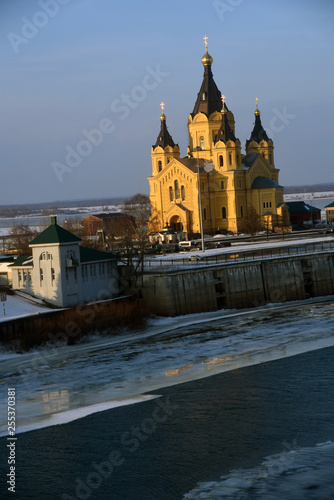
(208, 168)
(200, 198)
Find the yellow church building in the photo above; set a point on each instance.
(214, 175)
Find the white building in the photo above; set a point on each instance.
(5, 270)
(62, 272)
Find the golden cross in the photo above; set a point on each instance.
(257, 101)
(223, 100)
(206, 41)
(162, 105)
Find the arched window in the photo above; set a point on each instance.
(45, 256)
(222, 184)
(203, 96)
(221, 161)
(159, 166)
(171, 193)
(202, 142)
(224, 213)
(183, 193)
(177, 190)
(270, 159)
(230, 158)
(241, 211)
(70, 254)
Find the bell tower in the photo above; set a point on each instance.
(206, 119)
(164, 149)
(259, 141)
(227, 148)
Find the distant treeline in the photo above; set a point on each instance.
(53, 206)
(316, 188)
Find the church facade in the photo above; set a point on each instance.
(215, 180)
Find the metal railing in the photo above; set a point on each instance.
(235, 256)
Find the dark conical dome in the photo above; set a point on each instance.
(164, 138)
(225, 133)
(258, 134)
(209, 97)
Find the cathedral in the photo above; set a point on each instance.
(215, 181)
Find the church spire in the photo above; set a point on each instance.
(208, 98)
(258, 134)
(164, 138)
(225, 132)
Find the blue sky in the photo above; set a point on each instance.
(73, 66)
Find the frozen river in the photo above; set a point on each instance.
(57, 385)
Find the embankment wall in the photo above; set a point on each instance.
(239, 285)
(66, 326)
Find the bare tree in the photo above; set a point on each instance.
(21, 236)
(138, 210)
(74, 226)
(283, 226)
(251, 222)
(120, 235)
(267, 224)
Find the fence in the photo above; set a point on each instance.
(234, 256)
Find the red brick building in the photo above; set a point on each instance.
(93, 224)
(302, 214)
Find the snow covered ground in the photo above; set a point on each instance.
(308, 196)
(15, 307)
(243, 246)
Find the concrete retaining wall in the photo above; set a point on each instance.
(239, 285)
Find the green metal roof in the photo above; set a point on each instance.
(22, 260)
(54, 234)
(331, 205)
(300, 206)
(91, 255)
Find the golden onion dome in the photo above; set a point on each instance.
(163, 117)
(207, 59)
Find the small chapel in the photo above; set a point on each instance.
(215, 181)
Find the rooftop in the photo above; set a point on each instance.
(300, 206)
(54, 234)
(264, 183)
(91, 255)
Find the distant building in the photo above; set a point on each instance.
(215, 170)
(62, 272)
(330, 213)
(303, 214)
(94, 223)
(5, 270)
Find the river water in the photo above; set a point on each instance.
(231, 404)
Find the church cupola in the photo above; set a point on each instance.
(225, 132)
(206, 118)
(227, 148)
(164, 149)
(259, 142)
(164, 138)
(209, 97)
